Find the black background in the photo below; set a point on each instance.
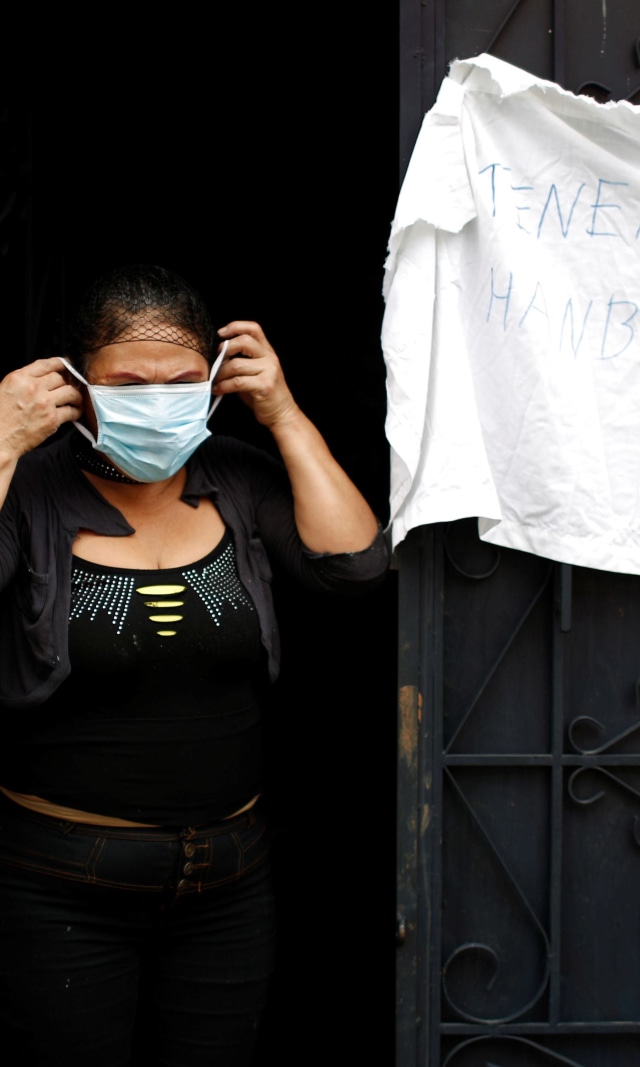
(256, 154)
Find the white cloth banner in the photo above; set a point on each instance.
(511, 332)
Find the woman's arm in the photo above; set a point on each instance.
(331, 514)
(34, 402)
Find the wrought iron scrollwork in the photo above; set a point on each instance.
(479, 949)
(543, 1056)
(599, 92)
(453, 553)
(596, 750)
(584, 801)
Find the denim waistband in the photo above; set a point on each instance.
(142, 859)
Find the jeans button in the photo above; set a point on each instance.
(184, 883)
(188, 868)
(189, 850)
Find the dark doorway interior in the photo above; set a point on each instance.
(262, 164)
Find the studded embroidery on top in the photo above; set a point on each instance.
(218, 584)
(215, 583)
(100, 592)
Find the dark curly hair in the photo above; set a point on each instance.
(140, 303)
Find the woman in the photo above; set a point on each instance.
(137, 628)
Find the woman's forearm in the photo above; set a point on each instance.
(8, 465)
(331, 514)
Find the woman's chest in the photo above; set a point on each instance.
(172, 536)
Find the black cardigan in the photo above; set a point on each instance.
(50, 500)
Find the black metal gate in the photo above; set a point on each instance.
(519, 740)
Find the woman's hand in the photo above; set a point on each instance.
(331, 514)
(34, 402)
(252, 369)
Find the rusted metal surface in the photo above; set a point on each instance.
(409, 716)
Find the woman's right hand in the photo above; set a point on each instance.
(34, 402)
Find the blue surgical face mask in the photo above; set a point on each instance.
(149, 431)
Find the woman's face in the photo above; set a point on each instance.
(142, 363)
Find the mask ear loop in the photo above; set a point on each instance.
(214, 371)
(78, 425)
(73, 370)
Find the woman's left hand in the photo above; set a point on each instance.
(331, 514)
(252, 369)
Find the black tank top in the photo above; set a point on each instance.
(159, 720)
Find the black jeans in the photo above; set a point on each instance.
(127, 945)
